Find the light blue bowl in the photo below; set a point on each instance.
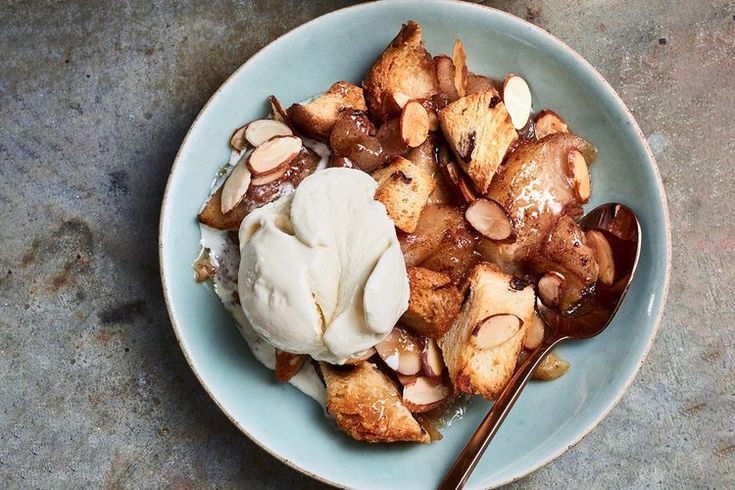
(549, 417)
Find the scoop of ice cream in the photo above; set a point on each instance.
(321, 270)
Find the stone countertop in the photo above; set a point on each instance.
(95, 98)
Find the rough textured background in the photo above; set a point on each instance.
(94, 101)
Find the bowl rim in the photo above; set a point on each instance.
(165, 204)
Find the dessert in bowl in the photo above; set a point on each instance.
(238, 365)
(393, 239)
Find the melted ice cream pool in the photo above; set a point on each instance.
(224, 256)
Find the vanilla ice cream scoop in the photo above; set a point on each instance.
(321, 270)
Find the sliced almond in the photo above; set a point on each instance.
(550, 288)
(260, 131)
(495, 330)
(400, 351)
(604, 255)
(548, 122)
(235, 187)
(352, 361)
(401, 99)
(273, 154)
(580, 175)
(459, 57)
(424, 394)
(489, 218)
(431, 358)
(414, 124)
(279, 113)
(465, 188)
(238, 141)
(517, 99)
(458, 182)
(271, 177)
(445, 76)
(535, 332)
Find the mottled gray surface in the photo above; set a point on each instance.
(94, 101)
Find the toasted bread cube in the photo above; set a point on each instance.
(474, 370)
(316, 119)
(479, 130)
(368, 406)
(404, 189)
(433, 304)
(404, 71)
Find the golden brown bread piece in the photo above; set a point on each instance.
(479, 130)
(316, 119)
(404, 189)
(433, 304)
(403, 72)
(474, 370)
(368, 406)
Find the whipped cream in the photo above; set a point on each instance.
(321, 271)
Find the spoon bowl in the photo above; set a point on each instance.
(620, 229)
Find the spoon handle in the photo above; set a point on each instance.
(472, 452)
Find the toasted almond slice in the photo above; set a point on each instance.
(271, 177)
(238, 141)
(534, 333)
(401, 99)
(400, 351)
(580, 175)
(260, 131)
(431, 358)
(445, 76)
(235, 187)
(457, 180)
(517, 99)
(424, 394)
(604, 255)
(550, 288)
(465, 188)
(353, 361)
(495, 330)
(459, 57)
(273, 154)
(489, 218)
(279, 113)
(548, 122)
(414, 124)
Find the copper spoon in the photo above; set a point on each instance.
(620, 226)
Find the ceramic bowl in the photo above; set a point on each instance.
(549, 417)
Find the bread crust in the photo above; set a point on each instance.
(316, 119)
(367, 405)
(434, 302)
(485, 372)
(404, 71)
(404, 189)
(479, 130)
